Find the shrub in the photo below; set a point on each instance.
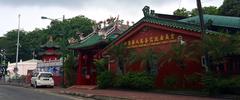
(192, 79)
(170, 81)
(138, 81)
(104, 79)
(210, 84)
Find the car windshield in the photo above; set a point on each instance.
(45, 75)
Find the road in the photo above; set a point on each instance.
(19, 93)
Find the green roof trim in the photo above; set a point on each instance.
(165, 22)
(93, 39)
(50, 44)
(224, 21)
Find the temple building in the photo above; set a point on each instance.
(157, 32)
(89, 47)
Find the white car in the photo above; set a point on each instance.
(42, 79)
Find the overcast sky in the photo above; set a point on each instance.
(131, 10)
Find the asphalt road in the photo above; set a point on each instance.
(19, 93)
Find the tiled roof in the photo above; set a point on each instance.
(50, 44)
(49, 53)
(166, 22)
(91, 40)
(95, 38)
(224, 21)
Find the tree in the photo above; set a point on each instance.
(69, 27)
(181, 12)
(70, 70)
(230, 8)
(217, 47)
(63, 30)
(149, 60)
(118, 53)
(211, 10)
(181, 54)
(11, 39)
(122, 56)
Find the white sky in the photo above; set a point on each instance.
(131, 10)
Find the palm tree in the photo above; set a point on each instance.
(180, 54)
(149, 59)
(122, 56)
(218, 47)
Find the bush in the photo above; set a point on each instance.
(170, 81)
(193, 78)
(104, 79)
(215, 85)
(137, 81)
(210, 84)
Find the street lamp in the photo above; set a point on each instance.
(16, 67)
(44, 17)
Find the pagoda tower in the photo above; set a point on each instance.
(51, 61)
(50, 51)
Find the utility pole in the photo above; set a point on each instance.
(203, 32)
(16, 67)
(200, 13)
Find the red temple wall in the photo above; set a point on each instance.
(167, 69)
(49, 57)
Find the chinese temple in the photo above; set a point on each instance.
(50, 60)
(156, 31)
(89, 46)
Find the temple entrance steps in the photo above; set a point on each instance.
(83, 87)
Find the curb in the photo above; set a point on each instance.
(97, 97)
(17, 84)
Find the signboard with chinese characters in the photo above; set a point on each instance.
(151, 41)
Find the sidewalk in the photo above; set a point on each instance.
(106, 94)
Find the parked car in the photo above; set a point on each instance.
(42, 79)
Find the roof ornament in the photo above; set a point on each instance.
(80, 34)
(72, 40)
(96, 27)
(50, 38)
(147, 12)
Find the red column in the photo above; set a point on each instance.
(225, 66)
(80, 78)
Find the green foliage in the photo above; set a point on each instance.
(101, 65)
(123, 57)
(193, 78)
(170, 81)
(211, 10)
(210, 84)
(138, 81)
(181, 12)
(69, 27)
(70, 70)
(215, 84)
(105, 79)
(230, 8)
(217, 46)
(149, 60)
(180, 53)
(31, 41)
